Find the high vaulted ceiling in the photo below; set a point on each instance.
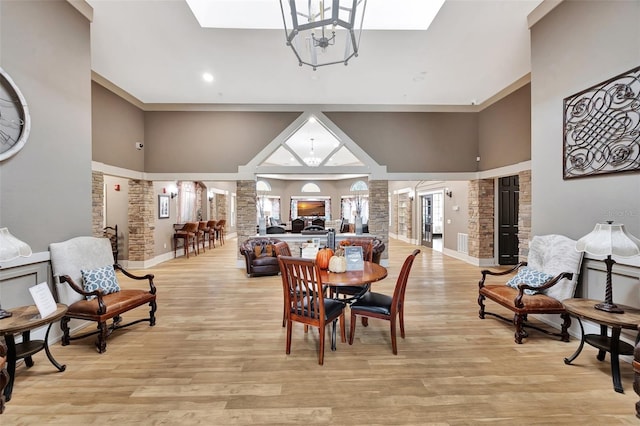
(157, 52)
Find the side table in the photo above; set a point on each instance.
(23, 320)
(584, 309)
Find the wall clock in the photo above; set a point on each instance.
(14, 117)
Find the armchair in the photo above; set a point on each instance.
(549, 277)
(260, 256)
(84, 273)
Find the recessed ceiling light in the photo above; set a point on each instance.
(208, 77)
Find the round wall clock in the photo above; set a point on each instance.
(14, 117)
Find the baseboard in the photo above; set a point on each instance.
(469, 259)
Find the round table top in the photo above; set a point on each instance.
(372, 272)
(584, 308)
(27, 318)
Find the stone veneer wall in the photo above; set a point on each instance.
(379, 212)
(97, 203)
(524, 214)
(481, 218)
(221, 206)
(246, 211)
(141, 220)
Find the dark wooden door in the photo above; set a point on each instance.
(508, 199)
(427, 220)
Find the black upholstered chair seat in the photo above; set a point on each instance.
(332, 309)
(374, 302)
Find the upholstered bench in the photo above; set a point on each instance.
(540, 285)
(260, 257)
(84, 272)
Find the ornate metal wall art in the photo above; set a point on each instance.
(602, 128)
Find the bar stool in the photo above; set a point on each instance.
(220, 230)
(201, 235)
(211, 226)
(188, 236)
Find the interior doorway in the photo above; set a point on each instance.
(426, 202)
(508, 205)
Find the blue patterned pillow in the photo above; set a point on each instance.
(530, 277)
(100, 279)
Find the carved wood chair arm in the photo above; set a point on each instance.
(152, 287)
(486, 272)
(102, 308)
(553, 281)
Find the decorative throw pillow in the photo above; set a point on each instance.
(270, 250)
(100, 279)
(530, 277)
(257, 250)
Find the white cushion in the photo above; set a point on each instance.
(554, 254)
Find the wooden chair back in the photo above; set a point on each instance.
(401, 283)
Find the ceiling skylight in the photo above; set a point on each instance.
(266, 14)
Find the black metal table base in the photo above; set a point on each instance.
(605, 344)
(25, 350)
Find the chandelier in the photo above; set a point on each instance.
(312, 160)
(323, 32)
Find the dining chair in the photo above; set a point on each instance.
(382, 306)
(220, 230)
(306, 303)
(282, 249)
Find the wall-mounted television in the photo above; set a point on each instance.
(311, 207)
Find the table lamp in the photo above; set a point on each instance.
(609, 239)
(11, 248)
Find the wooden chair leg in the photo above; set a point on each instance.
(321, 348)
(394, 343)
(352, 327)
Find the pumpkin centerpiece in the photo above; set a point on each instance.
(323, 256)
(338, 263)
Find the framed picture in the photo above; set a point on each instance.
(163, 206)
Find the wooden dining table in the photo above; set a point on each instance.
(370, 273)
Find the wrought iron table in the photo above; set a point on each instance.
(584, 309)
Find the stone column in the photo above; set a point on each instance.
(221, 206)
(379, 212)
(524, 214)
(97, 203)
(141, 220)
(245, 211)
(481, 218)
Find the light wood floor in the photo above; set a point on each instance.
(217, 357)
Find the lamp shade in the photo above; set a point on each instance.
(609, 239)
(11, 248)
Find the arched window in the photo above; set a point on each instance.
(310, 187)
(359, 186)
(263, 186)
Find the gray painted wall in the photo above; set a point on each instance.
(116, 127)
(504, 131)
(208, 142)
(412, 141)
(45, 189)
(577, 45)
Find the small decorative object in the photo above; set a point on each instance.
(609, 239)
(338, 263)
(163, 206)
(358, 225)
(344, 243)
(323, 257)
(602, 128)
(262, 226)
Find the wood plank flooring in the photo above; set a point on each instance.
(217, 357)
